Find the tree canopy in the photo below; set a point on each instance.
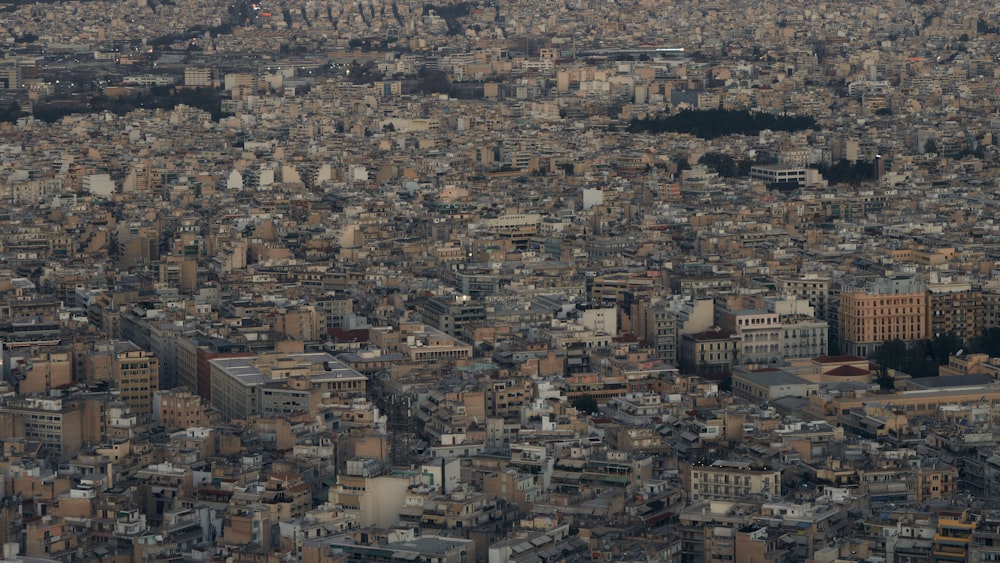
(725, 165)
(709, 124)
(921, 358)
(846, 172)
(586, 403)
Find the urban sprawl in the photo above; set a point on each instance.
(499, 281)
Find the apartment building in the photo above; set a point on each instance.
(53, 422)
(956, 309)
(137, 375)
(734, 481)
(235, 381)
(710, 353)
(886, 309)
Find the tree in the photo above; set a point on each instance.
(944, 346)
(846, 172)
(682, 163)
(434, 82)
(587, 404)
(987, 343)
(931, 146)
(724, 165)
(709, 124)
(885, 381)
(915, 358)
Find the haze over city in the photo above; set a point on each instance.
(499, 281)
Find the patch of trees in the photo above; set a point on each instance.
(434, 81)
(725, 165)
(709, 124)
(450, 14)
(191, 33)
(371, 43)
(158, 97)
(846, 172)
(449, 11)
(983, 26)
(924, 357)
(363, 73)
(12, 113)
(587, 404)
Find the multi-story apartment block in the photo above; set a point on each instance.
(991, 308)
(179, 408)
(759, 333)
(137, 375)
(193, 355)
(449, 315)
(657, 325)
(234, 381)
(734, 481)
(954, 308)
(52, 422)
(886, 309)
(710, 353)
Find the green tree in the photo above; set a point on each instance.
(709, 124)
(931, 146)
(944, 346)
(987, 343)
(723, 165)
(845, 172)
(884, 380)
(587, 404)
(915, 358)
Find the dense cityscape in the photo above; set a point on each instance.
(484, 282)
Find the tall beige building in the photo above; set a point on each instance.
(137, 375)
(887, 309)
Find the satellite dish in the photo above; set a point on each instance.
(959, 353)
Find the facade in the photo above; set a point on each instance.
(52, 422)
(179, 408)
(954, 309)
(804, 337)
(759, 332)
(137, 375)
(367, 493)
(193, 355)
(450, 314)
(657, 325)
(888, 309)
(782, 176)
(234, 381)
(954, 536)
(710, 353)
(734, 481)
(759, 542)
(812, 287)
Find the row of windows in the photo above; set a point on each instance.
(714, 357)
(754, 321)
